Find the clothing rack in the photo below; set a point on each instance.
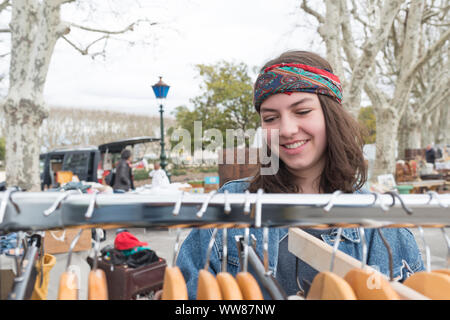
(35, 211)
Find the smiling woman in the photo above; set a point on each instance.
(320, 144)
(319, 148)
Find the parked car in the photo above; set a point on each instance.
(89, 163)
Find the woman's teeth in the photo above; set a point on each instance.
(295, 145)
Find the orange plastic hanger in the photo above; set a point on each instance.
(174, 285)
(97, 285)
(208, 286)
(227, 283)
(68, 281)
(435, 285)
(327, 285)
(247, 283)
(370, 285)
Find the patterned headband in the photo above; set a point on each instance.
(294, 77)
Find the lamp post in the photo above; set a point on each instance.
(161, 89)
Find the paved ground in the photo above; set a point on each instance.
(162, 241)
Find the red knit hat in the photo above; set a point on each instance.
(126, 240)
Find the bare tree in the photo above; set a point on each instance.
(35, 27)
(389, 93)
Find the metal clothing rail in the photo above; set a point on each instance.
(33, 211)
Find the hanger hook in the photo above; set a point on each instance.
(330, 203)
(96, 248)
(176, 247)
(205, 204)
(427, 250)
(7, 198)
(435, 195)
(447, 240)
(72, 246)
(227, 206)
(177, 207)
(379, 198)
(258, 208)
(58, 202)
(266, 249)
(389, 250)
(175, 212)
(335, 247)
(246, 243)
(225, 250)
(364, 247)
(396, 195)
(247, 202)
(210, 246)
(92, 205)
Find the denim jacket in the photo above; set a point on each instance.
(192, 256)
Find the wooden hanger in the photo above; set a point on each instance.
(174, 285)
(317, 253)
(247, 283)
(68, 286)
(435, 285)
(207, 286)
(431, 284)
(97, 286)
(369, 285)
(229, 287)
(366, 284)
(68, 281)
(443, 271)
(327, 285)
(227, 283)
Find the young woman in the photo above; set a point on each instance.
(320, 151)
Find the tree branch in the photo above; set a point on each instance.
(428, 54)
(312, 12)
(126, 29)
(82, 51)
(4, 5)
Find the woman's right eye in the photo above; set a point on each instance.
(269, 119)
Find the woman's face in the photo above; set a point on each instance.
(302, 131)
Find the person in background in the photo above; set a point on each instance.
(124, 178)
(159, 176)
(430, 154)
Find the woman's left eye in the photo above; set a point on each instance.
(303, 112)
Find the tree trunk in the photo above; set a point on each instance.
(443, 127)
(387, 130)
(35, 28)
(23, 119)
(412, 124)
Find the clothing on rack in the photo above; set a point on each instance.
(406, 254)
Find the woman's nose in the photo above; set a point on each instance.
(288, 127)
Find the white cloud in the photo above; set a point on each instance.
(252, 31)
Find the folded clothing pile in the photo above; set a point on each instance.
(130, 251)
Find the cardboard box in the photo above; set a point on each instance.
(58, 241)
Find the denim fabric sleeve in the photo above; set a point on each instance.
(192, 258)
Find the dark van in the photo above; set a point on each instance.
(89, 163)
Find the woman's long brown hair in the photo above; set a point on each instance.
(345, 168)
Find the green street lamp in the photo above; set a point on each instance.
(161, 89)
